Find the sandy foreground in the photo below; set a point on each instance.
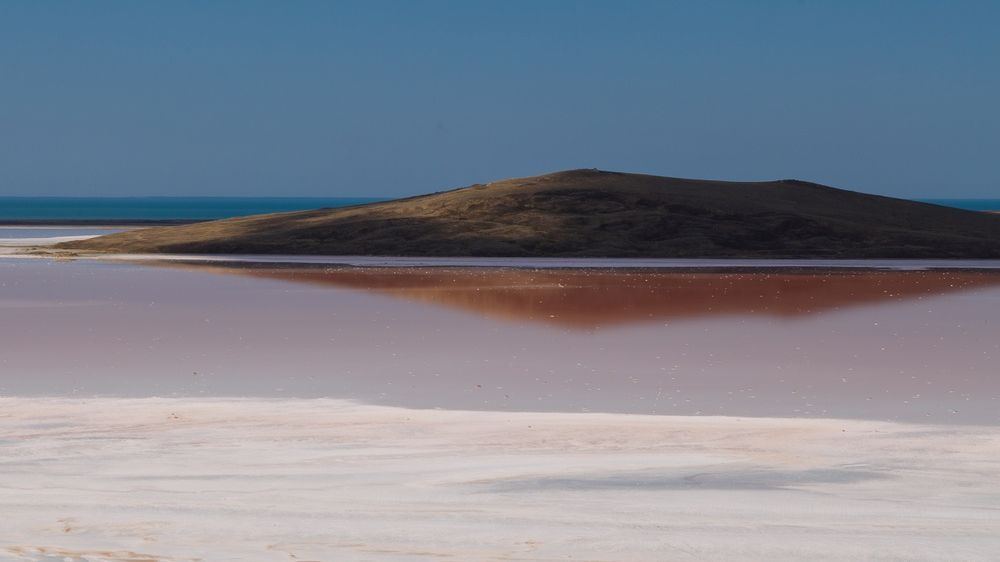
(296, 480)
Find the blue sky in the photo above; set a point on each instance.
(394, 98)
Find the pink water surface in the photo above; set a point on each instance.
(902, 345)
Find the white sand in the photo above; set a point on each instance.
(40, 242)
(298, 480)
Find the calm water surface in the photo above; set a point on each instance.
(969, 204)
(193, 208)
(900, 345)
(42, 232)
(160, 208)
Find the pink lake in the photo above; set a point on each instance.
(888, 345)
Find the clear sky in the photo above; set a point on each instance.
(393, 98)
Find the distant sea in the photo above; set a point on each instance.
(158, 208)
(90, 209)
(970, 204)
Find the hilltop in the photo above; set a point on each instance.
(601, 214)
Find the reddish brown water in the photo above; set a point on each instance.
(916, 346)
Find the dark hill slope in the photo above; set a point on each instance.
(595, 213)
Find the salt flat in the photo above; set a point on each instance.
(169, 479)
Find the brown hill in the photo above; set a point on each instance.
(601, 214)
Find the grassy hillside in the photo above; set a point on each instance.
(597, 213)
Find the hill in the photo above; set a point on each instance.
(601, 214)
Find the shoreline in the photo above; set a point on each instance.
(373, 405)
(45, 247)
(97, 223)
(170, 479)
(623, 264)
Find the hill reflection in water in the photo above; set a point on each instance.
(590, 299)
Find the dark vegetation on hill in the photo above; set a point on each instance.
(600, 214)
